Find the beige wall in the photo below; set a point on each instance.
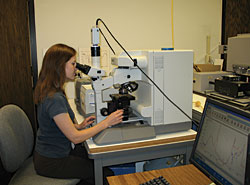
(137, 24)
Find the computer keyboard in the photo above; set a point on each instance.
(157, 181)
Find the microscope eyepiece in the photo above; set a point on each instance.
(83, 68)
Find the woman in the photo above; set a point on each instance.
(54, 156)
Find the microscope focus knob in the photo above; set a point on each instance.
(104, 112)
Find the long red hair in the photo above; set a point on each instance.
(52, 75)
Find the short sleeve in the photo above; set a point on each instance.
(56, 105)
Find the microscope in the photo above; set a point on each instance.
(146, 112)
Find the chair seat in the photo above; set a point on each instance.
(26, 175)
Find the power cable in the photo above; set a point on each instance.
(135, 63)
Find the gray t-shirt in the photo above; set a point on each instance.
(51, 142)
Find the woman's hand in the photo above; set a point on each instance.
(89, 120)
(114, 118)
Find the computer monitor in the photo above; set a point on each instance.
(221, 149)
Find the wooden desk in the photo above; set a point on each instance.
(186, 174)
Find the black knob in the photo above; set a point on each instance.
(104, 112)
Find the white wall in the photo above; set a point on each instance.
(137, 24)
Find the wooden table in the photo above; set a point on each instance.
(181, 175)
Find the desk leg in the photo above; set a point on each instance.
(189, 151)
(188, 154)
(98, 172)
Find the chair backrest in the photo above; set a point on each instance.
(16, 137)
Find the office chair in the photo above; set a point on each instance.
(16, 145)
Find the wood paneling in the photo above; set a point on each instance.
(237, 17)
(15, 58)
(235, 20)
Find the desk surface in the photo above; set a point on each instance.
(198, 102)
(187, 174)
(168, 138)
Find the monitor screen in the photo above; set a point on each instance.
(221, 148)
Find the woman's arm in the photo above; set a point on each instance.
(65, 124)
